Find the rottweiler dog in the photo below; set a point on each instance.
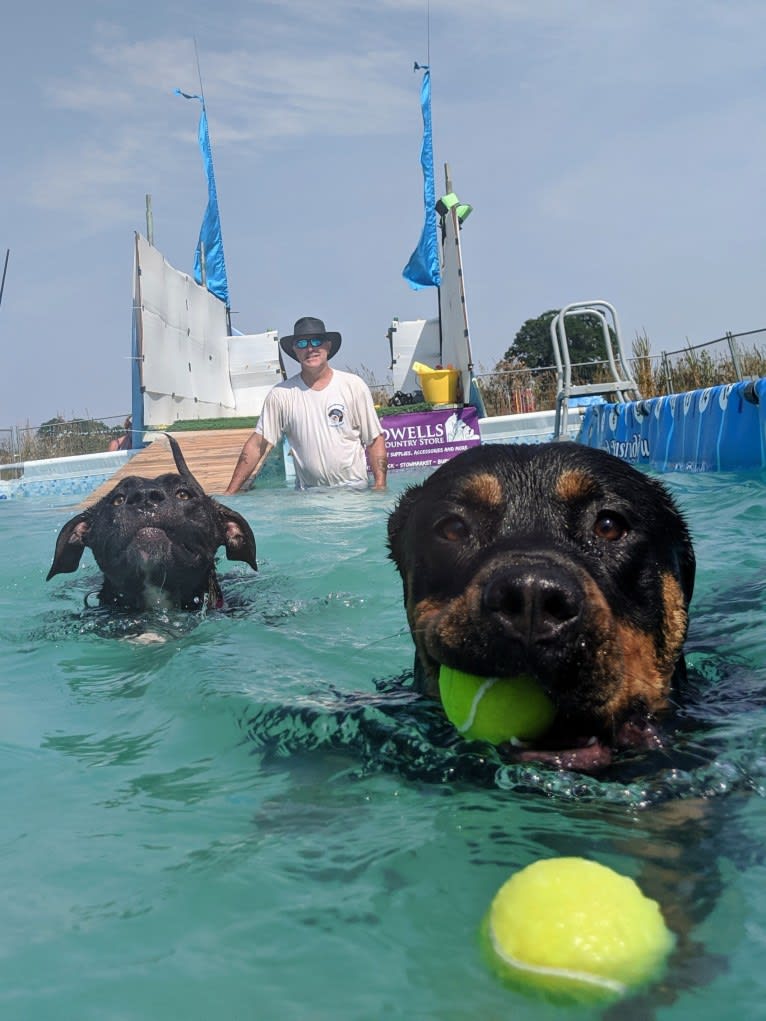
(558, 561)
(155, 541)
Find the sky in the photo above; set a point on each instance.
(609, 150)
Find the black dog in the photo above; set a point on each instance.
(557, 561)
(155, 541)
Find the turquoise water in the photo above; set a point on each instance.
(251, 819)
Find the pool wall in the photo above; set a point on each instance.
(61, 476)
(720, 428)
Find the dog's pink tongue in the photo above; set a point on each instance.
(587, 759)
(591, 755)
(150, 532)
(149, 539)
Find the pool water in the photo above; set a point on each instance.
(254, 817)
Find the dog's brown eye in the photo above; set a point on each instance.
(453, 529)
(118, 500)
(610, 526)
(183, 494)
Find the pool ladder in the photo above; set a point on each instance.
(622, 384)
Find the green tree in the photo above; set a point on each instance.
(533, 347)
(59, 437)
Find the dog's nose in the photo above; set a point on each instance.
(536, 603)
(146, 498)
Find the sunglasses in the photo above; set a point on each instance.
(303, 344)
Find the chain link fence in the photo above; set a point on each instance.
(58, 437)
(727, 359)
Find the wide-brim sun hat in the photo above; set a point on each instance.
(308, 327)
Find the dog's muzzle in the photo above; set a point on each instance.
(536, 602)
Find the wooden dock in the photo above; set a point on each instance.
(210, 455)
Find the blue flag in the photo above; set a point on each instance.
(423, 269)
(210, 232)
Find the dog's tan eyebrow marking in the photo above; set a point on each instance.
(483, 489)
(575, 484)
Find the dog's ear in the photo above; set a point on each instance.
(70, 546)
(687, 566)
(396, 525)
(239, 539)
(682, 549)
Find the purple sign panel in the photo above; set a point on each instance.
(426, 439)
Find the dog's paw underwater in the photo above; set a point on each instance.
(557, 562)
(155, 541)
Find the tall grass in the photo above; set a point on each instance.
(58, 437)
(692, 368)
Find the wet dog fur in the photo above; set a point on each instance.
(554, 560)
(155, 541)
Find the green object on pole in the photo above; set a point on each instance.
(446, 202)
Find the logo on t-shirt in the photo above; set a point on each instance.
(335, 415)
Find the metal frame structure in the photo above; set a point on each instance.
(622, 383)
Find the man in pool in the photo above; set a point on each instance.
(327, 415)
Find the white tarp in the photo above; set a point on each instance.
(184, 355)
(413, 340)
(254, 368)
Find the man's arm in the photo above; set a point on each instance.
(253, 455)
(378, 461)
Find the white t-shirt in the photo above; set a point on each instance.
(327, 429)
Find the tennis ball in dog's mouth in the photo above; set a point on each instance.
(495, 709)
(575, 930)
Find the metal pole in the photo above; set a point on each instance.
(202, 265)
(448, 185)
(734, 355)
(203, 270)
(199, 71)
(149, 221)
(5, 270)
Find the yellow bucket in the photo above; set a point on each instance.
(439, 386)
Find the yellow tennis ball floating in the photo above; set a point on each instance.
(495, 709)
(575, 930)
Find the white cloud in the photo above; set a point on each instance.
(607, 148)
